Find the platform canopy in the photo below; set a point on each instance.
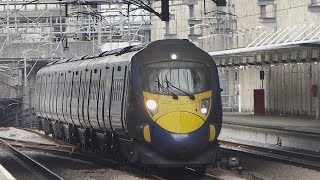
(291, 52)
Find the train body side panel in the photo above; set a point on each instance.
(101, 95)
(116, 97)
(74, 104)
(50, 94)
(73, 99)
(61, 95)
(92, 99)
(46, 95)
(106, 74)
(54, 95)
(81, 97)
(66, 100)
(38, 93)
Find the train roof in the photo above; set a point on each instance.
(154, 51)
(115, 52)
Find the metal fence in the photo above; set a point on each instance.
(229, 103)
(24, 118)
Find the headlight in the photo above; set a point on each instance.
(152, 106)
(204, 110)
(205, 104)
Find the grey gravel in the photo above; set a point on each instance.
(66, 167)
(263, 169)
(19, 134)
(259, 169)
(70, 168)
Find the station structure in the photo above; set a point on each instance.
(267, 51)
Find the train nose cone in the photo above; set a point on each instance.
(180, 135)
(180, 122)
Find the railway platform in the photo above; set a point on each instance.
(296, 124)
(293, 133)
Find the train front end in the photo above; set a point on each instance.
(180, 112)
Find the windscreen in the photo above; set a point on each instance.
(176, 77)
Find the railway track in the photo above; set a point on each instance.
(32, 166)
(182, 173)
(310, 160)
(84, 155)
(73, 151)
(70, 151)
(60, 148)
(78, 153)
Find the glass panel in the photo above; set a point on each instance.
(176, 77)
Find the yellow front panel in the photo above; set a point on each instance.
(181, 115)
(170, 121)
(212, 133)
(190, 122)
(146, 133)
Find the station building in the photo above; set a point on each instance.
(257, 44)
(266, 49)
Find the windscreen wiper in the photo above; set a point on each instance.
(188, 94)
(174, 96)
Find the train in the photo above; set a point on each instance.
(157, 104)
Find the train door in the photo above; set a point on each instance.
(86, 99)
(93, 98)
(48, 96)
(125, 99)
(99, 102)
(45, 94)
(117, 97)
(51, 79)
(106, 75)
(58, 79)
(61, 94)
(55, 77)
(43, 99)
(75, 98)
(82, 84)
(71, 100)
(67, 97)
(39, 93)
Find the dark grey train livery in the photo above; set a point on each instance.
(155, 104)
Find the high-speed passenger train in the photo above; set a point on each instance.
(155, 104)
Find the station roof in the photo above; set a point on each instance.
(290, 52)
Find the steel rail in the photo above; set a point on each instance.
(62, 150)
(76, 152)
(73, 152)
(30, 143)
(302, 158)
(85, 156)
(91, 157)
(47, 173)
(208, 175)
(58, 141)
